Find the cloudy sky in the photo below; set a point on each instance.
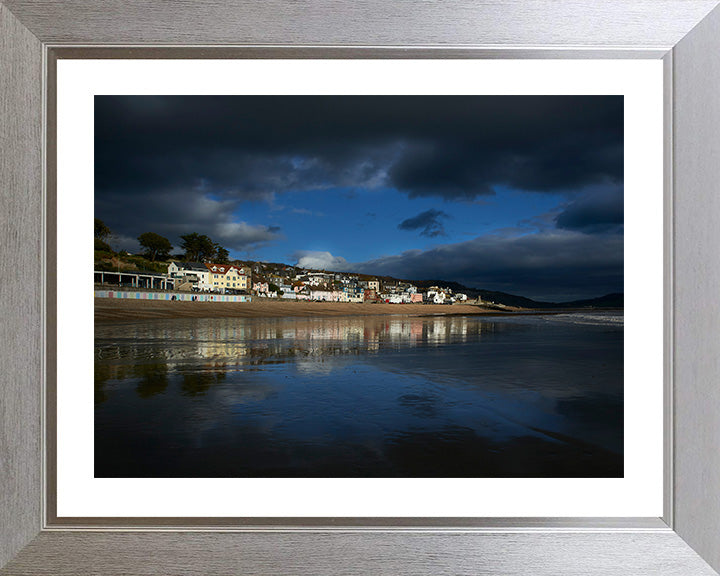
(521, 194)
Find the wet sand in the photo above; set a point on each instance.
(364, 396)
(111, 310)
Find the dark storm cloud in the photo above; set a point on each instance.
(428, 222)
(181, 164)
(455, 147)
(532, 265)
(596, 210)
(177, 212)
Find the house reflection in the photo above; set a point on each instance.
(202, 350)
(232, 337)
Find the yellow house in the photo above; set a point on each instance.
(226, 277)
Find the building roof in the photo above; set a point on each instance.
(196, 266)
(221, 268)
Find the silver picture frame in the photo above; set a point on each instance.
(685, 34)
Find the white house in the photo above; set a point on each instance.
(287, 292)
(325, 295)
(391, 298)
(319, 278)
(193, 275)
(435, 297)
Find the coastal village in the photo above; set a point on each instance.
(273, 281)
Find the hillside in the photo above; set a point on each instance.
(109, 261)
(607, 301)
(113, 262)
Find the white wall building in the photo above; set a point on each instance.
(435, 297)
(191, 274)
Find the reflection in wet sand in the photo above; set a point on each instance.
(359, 396)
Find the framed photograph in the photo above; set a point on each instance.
(342, 344)
(220, 385)
(359, 293)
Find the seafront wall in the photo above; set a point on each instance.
(130, 295)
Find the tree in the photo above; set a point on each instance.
(222, 256)
(102, 246)
(101, 230)
(156, 246)
(198, 247)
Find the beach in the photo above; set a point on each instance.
(112, 310)
(372, 396)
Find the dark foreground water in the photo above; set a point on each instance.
(525, 396)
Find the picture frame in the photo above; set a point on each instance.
(683, 33)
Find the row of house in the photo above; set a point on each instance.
(208, 277)
(292, 283)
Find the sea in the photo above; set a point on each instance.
(531, 396)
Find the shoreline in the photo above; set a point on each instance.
(111, 310)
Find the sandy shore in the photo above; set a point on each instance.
(110, 310)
